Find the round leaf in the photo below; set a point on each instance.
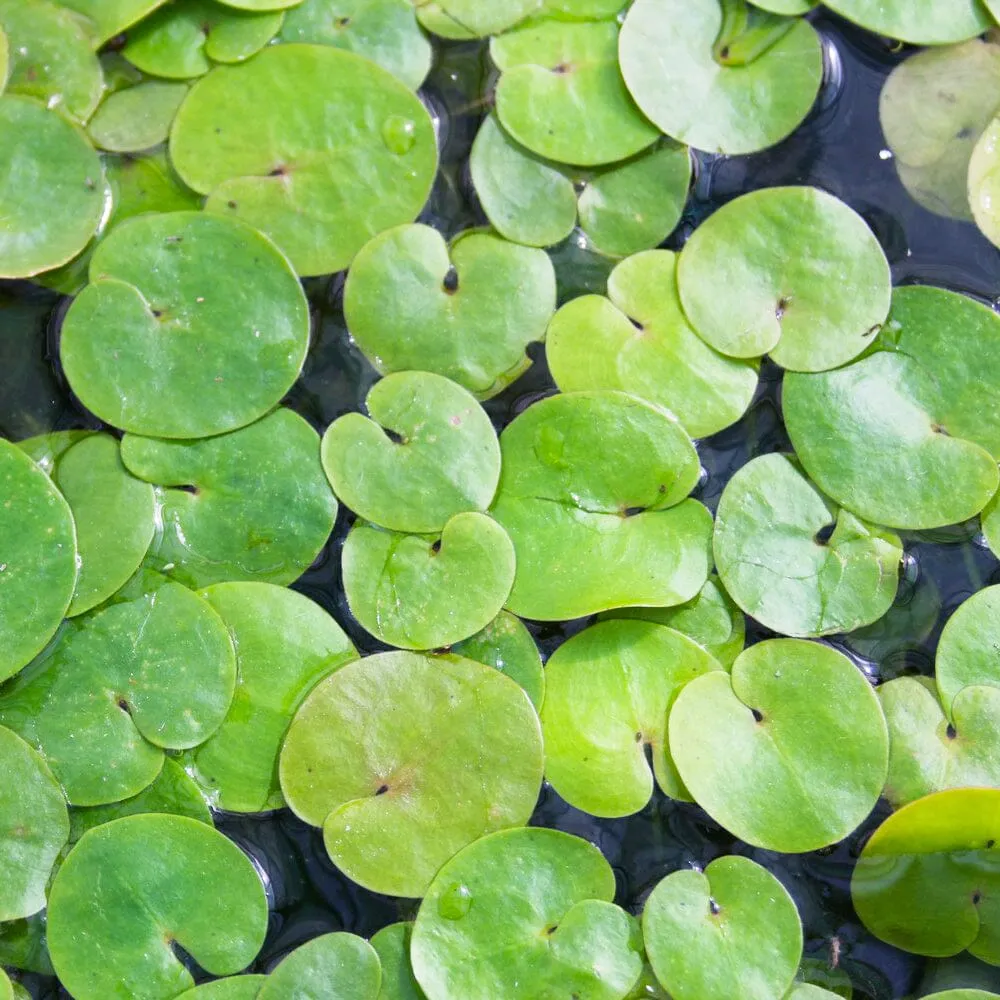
(34, 827)
(472, 18)
(405, 759)
(984, 181)
(250, 505)
(730, 931)
(591, 532)
(967, 650)
(333, 965)
(111, 17)
(428, 452)
(131, 888)
(467, 311)
(766, 275)
(790, 753)
(259, 5)
(317, 147)
(561, 93)
(534, 907)
(920, 22)
(422, 592)
(203, 308)
(138, 117)
(608, 692)
(638, 340)
(776, 564)
(232, 988)
(284, 644)
(962, 995)
(392, 944)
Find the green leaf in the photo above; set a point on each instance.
(392, 944)
(730, 931)
(666, 54)
(472, 18)
(806, 991)
(285, 644)
(638, 340)
(534, 907)
(111, 17)
(203, 308)
(318, 148)
(34, 827)
(790, 753)
(757, 277)
(427, 453)
(138, 117)
(22, 945)
(591, 532)
(561, 94)
(344, 966)
(467, 311)
(259, 5)
(404, 759)
(908, 436)
(967, 649)
(233, 988)
(250, 505)
(984, 181)
(920, 22)
(608, 692)
(132, 888)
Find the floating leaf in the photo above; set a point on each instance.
(111, 17)
(534, 907)
(806, 991)
(608, 692)
(984, 181)
(259, 5)
(34, 827)
(967, 650)
(591, 532)
(233, 988)
(405, 759)
(427, 452)
(473, 18)
(734, 106)
(138, 117)
(250, 505)
(729, 931)
(203, 308)
(927, 879)
(385, 31)
(392, 944)
(919, 22)
(37, 558)
(467, 311)
(786, 6)
(146, 674)
(766, 274)
(779, 566)
(22, 945)
(284, 645)
(52, 195)
(133, 888)
(265, 140)
(344, 966)
(586, 10)
(561, 94)
(789, 753)
(908, 436)
(423, 592)
(638, 340)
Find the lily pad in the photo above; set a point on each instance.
(729, 931)
(927, 879)
(146, 674)
(114, 513)
(585, 10)
(909, 436)
(385, 31)
(984, 181)
(138, 117)
(967, 650)
(590, 532)
(285, 644)
(534, 907)
(467, 311)
(919, 22)
(250, 505)
(506, 645)
(427, 453)
(344, 966)
(132, 888)
(37, 556)
(561, 93)
(790, 753)
(780, 568)
(51, 57)
(392, 944)
(185, 38)
(259, 5)
(111, 17)
(317, 147)
(52, 193)
(34, 827)
(423, 592)
(231, 988)
(766, 275)
(404, 759)
(962, 995)
(203, 308)
(748, 99)
(638, 340)
(608, 692)
(463, 19)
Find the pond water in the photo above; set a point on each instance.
(840, 148)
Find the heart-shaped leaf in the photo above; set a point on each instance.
(344, 966)
(136, 118)
(405, 759)
(392, 944)
(920, 22)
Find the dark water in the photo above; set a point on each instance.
(840, 148)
